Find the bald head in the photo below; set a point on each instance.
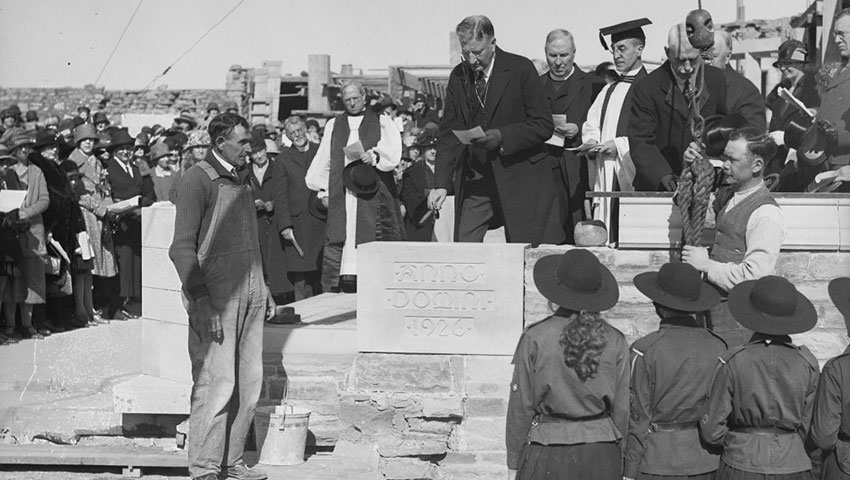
(677, 40)
(684, 58)
(722, 49)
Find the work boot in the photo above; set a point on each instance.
(243, 472)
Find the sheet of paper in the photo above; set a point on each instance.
(557, 139)
(11, 199)
(467, 136)
(354, 151)
(298, 247)
(124, 205)
(583, 147)
(794, 101)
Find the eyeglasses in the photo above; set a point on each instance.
(839, 34)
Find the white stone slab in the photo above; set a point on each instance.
(147, 394)
(157, 269)
(844, 224)
(165, 351)
(158, 225)
(163, 305)
(439, 298)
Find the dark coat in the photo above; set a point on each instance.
(743, 98)
(835, 108)
(831, 418)
(782, 113)
(123, 186)
(268, 233)
(573, 100)
(658, 129)
(413, 196)
(515, 105)
(292, 210)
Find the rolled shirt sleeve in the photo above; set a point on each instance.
(318, 175)
(389, 146)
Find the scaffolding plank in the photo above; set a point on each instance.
(43, 454)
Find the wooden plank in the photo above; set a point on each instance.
(91, 455)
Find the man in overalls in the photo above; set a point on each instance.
(217, 256)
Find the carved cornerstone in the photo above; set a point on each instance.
(439, 297)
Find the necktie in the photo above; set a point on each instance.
(689, 95)
(480, 86)
(128, 169)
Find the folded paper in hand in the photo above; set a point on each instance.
(11, 200)
(354, 151)
(467, 136)
(557, 138)
(789, 97)
(124, 205)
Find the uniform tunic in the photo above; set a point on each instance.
(831, 418)
(672, 370)
(565, 410)
(760, 406)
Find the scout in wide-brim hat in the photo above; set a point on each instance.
(772, 305)
(360, 178)
(839, 293)
(576, 281)
(678, 286)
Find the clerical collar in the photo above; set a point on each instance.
(572, 71)
(632, 73)
(226, 166)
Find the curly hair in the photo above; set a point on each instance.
(584, 340)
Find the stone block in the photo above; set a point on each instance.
(824, 344)
(794, 266)
(406, 373)
(414, 300)
(313, 388)
(434, 406)
(164, 306)
(157, 269)
(486, 406)
(407, 469)
(164, 350)
(362, 454)
(437, 427)
(481, 434)
(357, 413)
(412, 445)
(826, 266)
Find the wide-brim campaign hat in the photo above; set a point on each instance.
(839, 293)
(576, 280)
(678, 286)
(772, 305)
(804, 136)
(360, 178)
(316, 208)
(121, 138)
(717, 132)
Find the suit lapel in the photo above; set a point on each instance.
(673, 96)
(575, 86)
(497, 83)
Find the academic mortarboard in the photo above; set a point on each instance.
(630, 29)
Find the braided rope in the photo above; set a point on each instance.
(694, 188)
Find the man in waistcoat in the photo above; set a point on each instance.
(750, 226)
(570, 93)
(353, 171)
(504, 177)
(610, 167)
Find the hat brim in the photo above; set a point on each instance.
(114, 146)
(315, 207)
(546, 281)
(839, 293)
(647, 284)
(186, 120)
(802, 320)
(349, 183)
(793, 63)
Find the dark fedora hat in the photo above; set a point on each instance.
(839, 292)
(316, 208)
(678, 286)
(804, 136)
(576, 280)
(772, 305)
(121, 138)
(718, 128)
(360, 178)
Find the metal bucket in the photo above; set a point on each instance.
(281, 433)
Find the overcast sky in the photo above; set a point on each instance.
(54, 43)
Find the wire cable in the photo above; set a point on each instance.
(216, 24)
(115, 48)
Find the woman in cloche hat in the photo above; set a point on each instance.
(761, 399)
(569, 400)
(830, 430)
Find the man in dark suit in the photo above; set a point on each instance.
(570, 92)
(502, 177)
(296, 220)
(742, 97)
(658, 129)
(126, 182)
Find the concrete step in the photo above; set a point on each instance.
(328, 327)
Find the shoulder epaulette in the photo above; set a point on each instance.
(809, 356)
(642, 344)
(717, 337)
(726, 357)
(541, 322)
